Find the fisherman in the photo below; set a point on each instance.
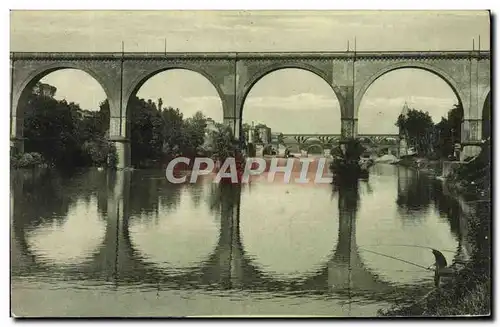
(442, 269)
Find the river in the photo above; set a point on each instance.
(97, 243)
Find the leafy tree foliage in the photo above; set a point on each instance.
(158, 135)
(448, 131)
(193, 131)
(224, 145)
(421, 133)
(418, 129)
(67, 136)
(64, 134)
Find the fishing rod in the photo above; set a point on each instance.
(402, 260)
(408, 245)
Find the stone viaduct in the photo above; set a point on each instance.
(233, 74)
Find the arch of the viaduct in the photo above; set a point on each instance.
(44, 70)
(134, 86)
(429, 67)
(349, 75)
(484, 97)
(486, 114)
(269, 68)
(26, 78)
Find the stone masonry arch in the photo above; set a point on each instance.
(141, 79)
(25, 73)
(483, 98)
(365, 83)
(253, 74)
(486, 125)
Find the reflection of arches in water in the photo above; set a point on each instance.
(175, 239)
(72, 241)
(58, 221)
(231, 264)
(288, 240)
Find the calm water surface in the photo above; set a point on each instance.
(131, 244)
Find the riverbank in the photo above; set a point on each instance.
(469, 292)
(420, 163)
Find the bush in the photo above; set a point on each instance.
(223, 143)
(27, 160)
(100, 153)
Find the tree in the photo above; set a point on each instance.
(193, 133)
(448, 131)
(418, 129)
(51, 128)
(345, 165)
(64, 134)
(172, 132)
(455, 117)
(245, 129)
(147, 127)
(224, 145)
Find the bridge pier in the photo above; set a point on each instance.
(117, 132)
(122, 147)
(349, 128)
(235, 124)
(471, 138)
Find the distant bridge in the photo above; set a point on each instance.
(326, 141)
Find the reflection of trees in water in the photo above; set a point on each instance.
(196, 193)
(45, 194)
(417, 192)
(223, 196)
(214, 199)
(414, 191)
(151, 190)
(448, 208)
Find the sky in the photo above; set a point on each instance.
(290, 100)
